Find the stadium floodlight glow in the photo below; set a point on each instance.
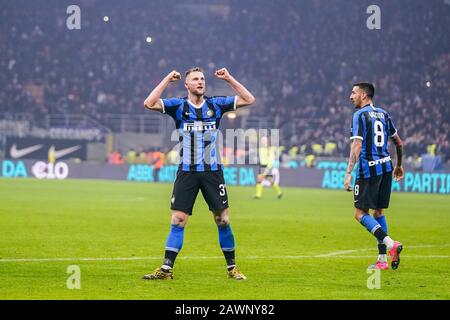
(106, 18)
(149, 39)
(428, 84)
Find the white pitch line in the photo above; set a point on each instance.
(342, 252)
(337, 256)
(404, 256)
(212, 257)
(334, 254)
(76, 259)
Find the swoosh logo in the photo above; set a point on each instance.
(19, 153)
(66, 151)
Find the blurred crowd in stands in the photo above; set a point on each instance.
(299, 58)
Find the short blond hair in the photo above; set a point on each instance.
(194, 69)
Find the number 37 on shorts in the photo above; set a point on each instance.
(222, 189)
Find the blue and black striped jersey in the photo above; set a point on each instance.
(373, 126)
(198, 128)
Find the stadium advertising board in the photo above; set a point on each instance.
(234, 175)
(39, 169)
(421, 182)
(43, 149)
(329, 176)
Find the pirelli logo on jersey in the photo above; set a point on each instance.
(379, 161)
(199, 126)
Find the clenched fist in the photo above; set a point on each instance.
(174, 76)
(222, 74)
(347, 181)
(398, 173)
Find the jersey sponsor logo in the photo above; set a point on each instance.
(379, 161)
(199, 126)
(19, 153)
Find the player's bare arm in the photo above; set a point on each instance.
(152, 102)
(244, 97)
(398, 170)
(355, 151)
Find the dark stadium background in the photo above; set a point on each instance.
(71, 106)
(299, 58)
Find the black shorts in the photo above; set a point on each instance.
(187, 185)
(374, 192)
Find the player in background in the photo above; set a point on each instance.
(269, 164)
(371, 128)
(197, 119)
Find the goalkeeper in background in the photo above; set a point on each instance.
(269, 164)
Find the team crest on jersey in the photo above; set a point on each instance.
(209, 113)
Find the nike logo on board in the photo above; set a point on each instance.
(19, 153)
(66, 151)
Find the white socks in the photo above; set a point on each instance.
(388, 242)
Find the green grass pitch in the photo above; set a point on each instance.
(304, 246)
